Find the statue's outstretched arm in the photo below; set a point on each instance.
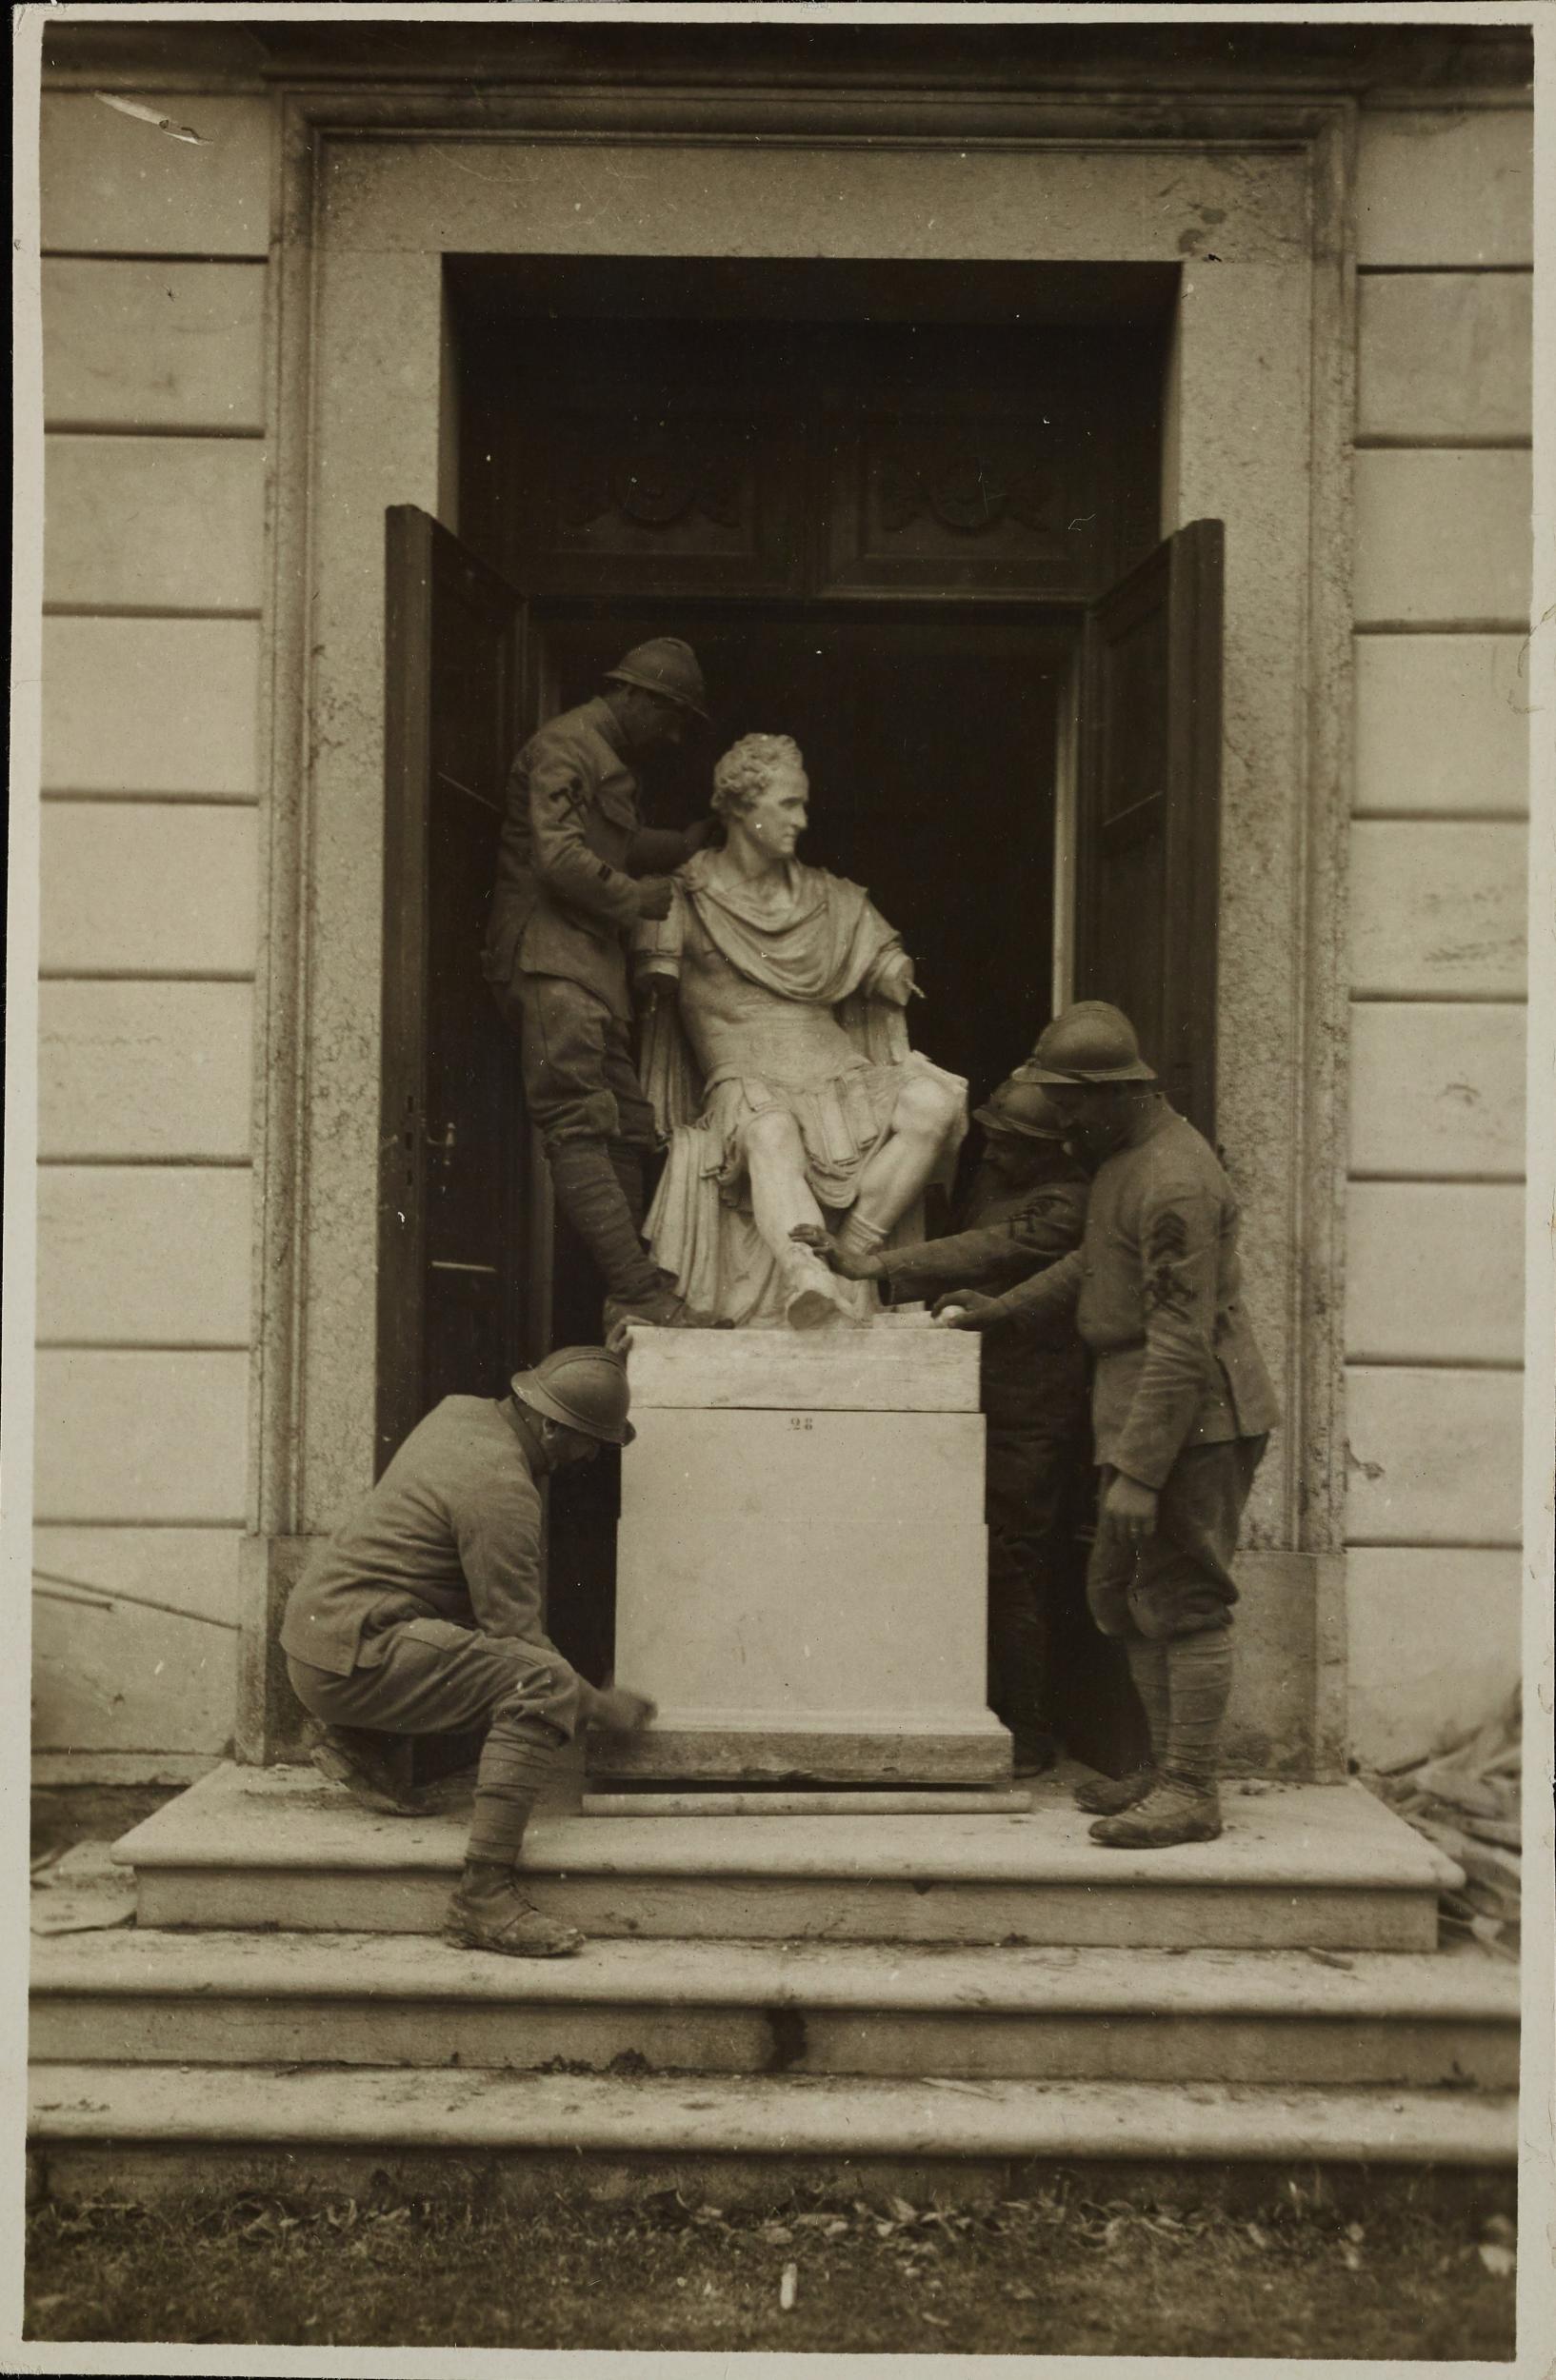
(874, 1018)
(892, 978)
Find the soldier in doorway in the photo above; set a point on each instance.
(1182, 1406)
(576, 869)
(423, 1616)
(1025, 1209)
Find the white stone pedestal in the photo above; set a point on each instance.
(801, 1572)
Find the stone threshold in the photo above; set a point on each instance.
(1277, 1837)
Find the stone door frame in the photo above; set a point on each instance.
(1252, 199)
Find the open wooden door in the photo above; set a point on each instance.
(1148, 853)
(454, 1283)
(1149, 809)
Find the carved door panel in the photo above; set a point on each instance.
(1147, 839)
(452, 1289)
(766, 460)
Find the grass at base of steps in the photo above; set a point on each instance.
(1059, 2272)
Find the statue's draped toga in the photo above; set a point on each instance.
(783, 994)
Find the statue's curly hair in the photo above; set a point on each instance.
(744, 773)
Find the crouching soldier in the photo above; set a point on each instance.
(422, 1616)
(1024, 1210)
(1182, 1406)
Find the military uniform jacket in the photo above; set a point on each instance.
(451, 1532)
(1019, 1233)
(1155, 1290)
(1039, 1226)
(572, 842)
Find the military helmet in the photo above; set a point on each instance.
(584, 1388)
(1022, 1108)
(1090, 1042)
(668, 668)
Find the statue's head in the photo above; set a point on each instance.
(761, 790)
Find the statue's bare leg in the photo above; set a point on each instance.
(783, 1203)
(925, 1113)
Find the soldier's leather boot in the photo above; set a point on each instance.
(489, 1913)
(590, 1192)
(1182, 1806)
(369, 1766)
(1103, 1797)
(1177, 1810)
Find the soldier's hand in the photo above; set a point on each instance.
(705, 831)
(654, 894)
(965, 1310)
(622, 1711)
(1128, 1509)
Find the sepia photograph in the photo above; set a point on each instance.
(779, 1346)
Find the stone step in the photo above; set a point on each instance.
(812, 2009)
(125, 2131)
(1298, 1867)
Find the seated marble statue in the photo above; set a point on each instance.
(775, 1052)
